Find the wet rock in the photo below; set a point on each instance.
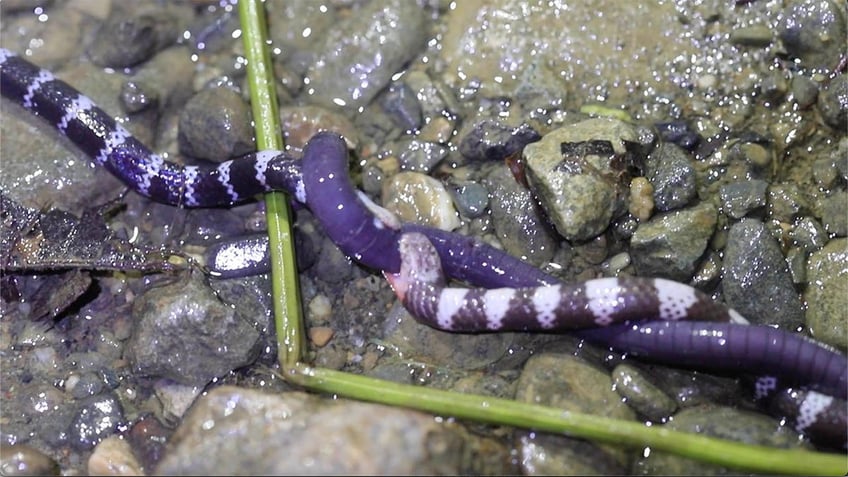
(130, 36)
(814, 31)
(573, 172)
(436, 100)
(97, 417)
(168, 77)
(401, 103)
(672, 173)
(362, 52)
(757, 282)
(738, 199)
(47, 171)
(494, 141)
(23, 460)
(183, 332)
(415, 197)
(469, 198)
(833, 215)
(786, 201)
(804, 90)
(722, 422)
(833, 102)
(84, 385)
(484, 49)
(300, 123)
(809, 234)
(641, 198)
(416, 155)
(294, 28)
(827, 293)
(148, 438)
(754, 35)
(320, 436)
(641, 394)
(215, 125)
(669, 245)
(566, 382)
(519, 226)
(113, 456)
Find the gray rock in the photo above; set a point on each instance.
(97, 417)
(814, 31)
(833, 215)
(183, 332)
(216, 125)
(786, 201)
(672, 173)
(572, 172)
(401, 103)
(416, 155)
(833, 102)
(362, 52)
(492, 140)
(641, 394)
(740, 198)
(827, 293)
(566, 382)
(470, 198)
(757, 282)
(516, 217)
(319, 437)
(722, 422)
(804, 90)
(669, 245)
(809, 234)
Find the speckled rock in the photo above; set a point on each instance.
(671, 171)
(521, 229)
(572, 172)
(492, 140)
(216, 125)
(757, 282)
(96, 418)
(669, 245)
(113, 456)
(833, 215)
(566, 382)
(723, 422)
(814, 31)
(362, 52)
(320, 437)
(415, 197)
(185, 333)
(741, 197)
(827, 293)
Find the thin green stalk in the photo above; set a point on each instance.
(485, 409)
(284, 279)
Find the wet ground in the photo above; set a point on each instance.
(734, 182)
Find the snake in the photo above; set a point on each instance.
(373, 237)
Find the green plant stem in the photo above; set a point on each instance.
(284, 280)
(484, 409)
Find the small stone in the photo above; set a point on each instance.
(215, 125)
(833, 215)
(740, 198)
(754, 35)
(669, 245)
(641, 394)
(320, 309)
(320, 335)
(804, 90)
(415, 197)
(113, 456)
(641, 198)
(23, 460)
(96, 418)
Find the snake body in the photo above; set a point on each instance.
(320, 181)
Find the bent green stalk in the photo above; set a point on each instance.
(497, 411)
